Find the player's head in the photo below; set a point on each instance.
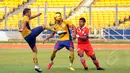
(27, 12)
(82, 22)
(58, 16)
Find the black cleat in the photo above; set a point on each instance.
(38, 70)
(100, 68)
(86, 68)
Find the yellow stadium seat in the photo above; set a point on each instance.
(111, 3)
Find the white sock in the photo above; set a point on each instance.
(36, 66)
(51, 62)
(70, 64)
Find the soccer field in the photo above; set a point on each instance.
(20, 61)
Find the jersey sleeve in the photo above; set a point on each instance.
(68, 22)
(86, 32)
(25, 19)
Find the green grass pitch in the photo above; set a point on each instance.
(20, 61)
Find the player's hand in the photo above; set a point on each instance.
(77, 36)
(44, 41)
(20, 30)
(74, 36)
(39, 14)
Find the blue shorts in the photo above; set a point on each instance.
(31, 38)
(61, 44)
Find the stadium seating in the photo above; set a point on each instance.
(56, 3)
(99, 18)
(126, 25)
(12, 3)
(111, 3)
(102, 18)
(12, 21)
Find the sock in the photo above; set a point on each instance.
(36, 66)
(70, 64)
(51, 62)
(49, 28)
(35, 60)
(83, 62)
(71, 58)
(52, 57)
(96, 63)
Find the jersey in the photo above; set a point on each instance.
(27, 29)
(64, 27)
(84, 31)
(84, 45)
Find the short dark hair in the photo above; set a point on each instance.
(26, 10)
(58, 13)
(83, 19)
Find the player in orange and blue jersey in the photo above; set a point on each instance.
(64, 40)
(30, 34)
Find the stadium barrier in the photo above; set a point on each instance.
(99, 33)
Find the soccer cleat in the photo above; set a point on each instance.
(71, 68)
(100, 68)
(49, 66)
(38, 69)
(86, 68)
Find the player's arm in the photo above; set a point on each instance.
(34, 16)
(82, 37)
(73, 31)
(85, 35)
(22, 26)
(48, 37)
(94, 1)
(73, 28)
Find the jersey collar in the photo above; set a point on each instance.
(82, 28)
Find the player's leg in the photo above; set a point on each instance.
(53, 55)
(69, 45)
(35, 60)
(80, 51)
(95, 61)
(32, 44)
(57, 47)
(36, 31)
(81, 55)
(48, 28)
(89, 51)
(71, 58)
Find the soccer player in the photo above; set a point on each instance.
(84, 45)
(30, 35)
(64, 40)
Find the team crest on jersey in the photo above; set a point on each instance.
(82, 32)
(63, 25)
